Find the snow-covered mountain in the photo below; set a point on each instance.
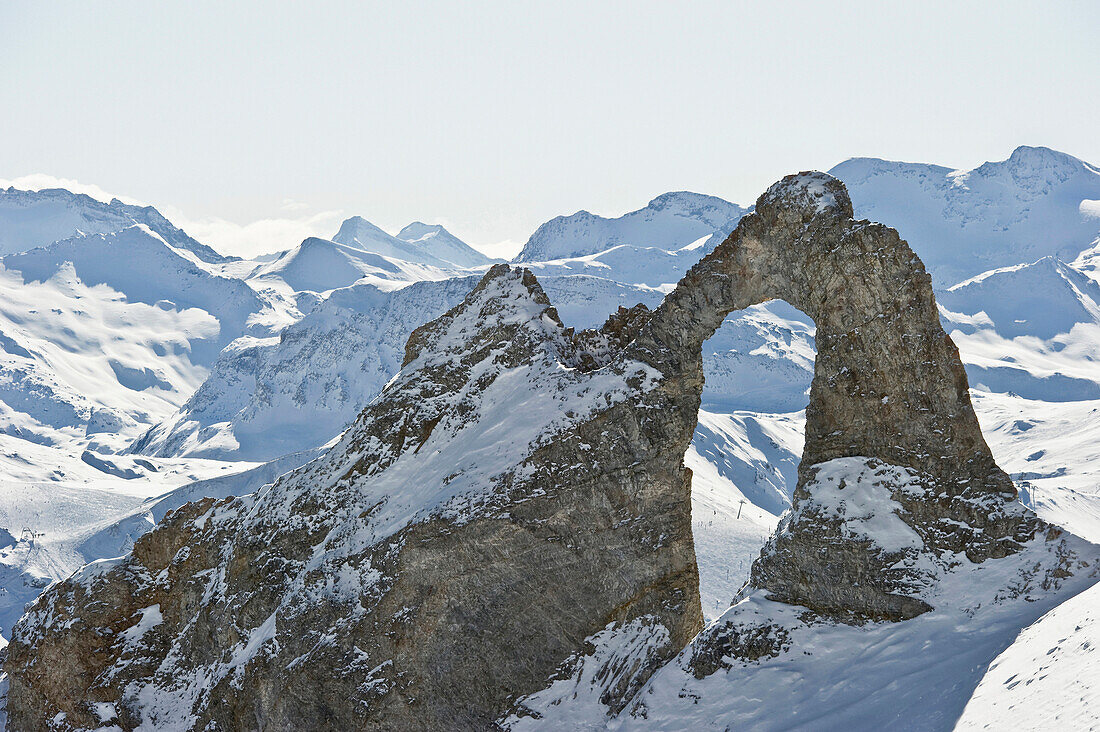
(319, 265)
(102, 333)
(417, 242)
(511, 456)
(130, 355)
(30, 219)
(270, 396)
(670, 221)
(439, 242)
(1037, 203)
(1032, 329)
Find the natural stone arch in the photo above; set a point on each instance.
(888, 385)
(461, 614)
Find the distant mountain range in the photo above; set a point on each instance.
(136, 361)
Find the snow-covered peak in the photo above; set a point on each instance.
(358, 230)
(710, 209)
(361, 234)
(320, 265)
(30, 219)
(670, 222)
(1038, 202)
(1036, 170)
(439, 242)
(418, 231)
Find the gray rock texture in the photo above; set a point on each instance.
(515, 490)
(519, 488)
(888, 385)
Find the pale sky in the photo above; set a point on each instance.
(256, 124)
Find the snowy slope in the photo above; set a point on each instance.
(1052, 452)
(1088, 261)
(648, 266)
(138, 264)
(1039, 202)
(797, 670)
(65, 501)
(759, 453)
(1032, 329)
(30, 219)
(104, 333)
(918, 675)
(267, 397)
(1042, 299)
(670, 221)
(1047, 678)
(319, 265)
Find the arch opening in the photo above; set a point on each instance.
(888, 389)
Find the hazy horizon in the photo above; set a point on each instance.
(266, 126)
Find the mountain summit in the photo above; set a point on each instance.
(1037, 203)
(443, 244)
(670, 221)
(417, 242)
(30, 219)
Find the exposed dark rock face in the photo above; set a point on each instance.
(518, 489)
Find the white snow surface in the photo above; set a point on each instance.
(419, 243)
(671, 221)
(965, 222)
(918, 674)
(1047, 678)
(120, 325)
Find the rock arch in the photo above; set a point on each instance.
(385, 587)
(888, 387)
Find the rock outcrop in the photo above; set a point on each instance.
(514, 510)
(888, 387)
(515, 490)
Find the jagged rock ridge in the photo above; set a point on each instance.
(517, 495)
(512, 474)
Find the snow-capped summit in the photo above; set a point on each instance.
(671, 221)
(359, 233)
(441, 243)
(1038, 202)
(1034, 170)
(418, 242)
(30, 219)
(320, 265)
